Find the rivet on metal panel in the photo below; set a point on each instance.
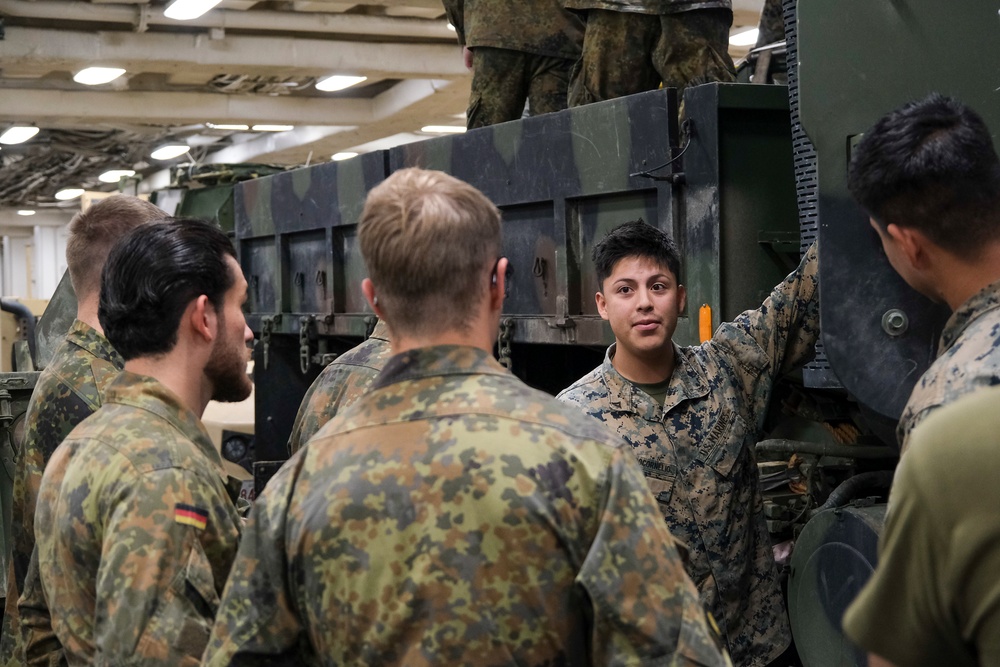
(895, 322)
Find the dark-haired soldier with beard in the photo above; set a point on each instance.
(135, 530)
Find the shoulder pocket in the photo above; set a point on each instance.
(184, 618)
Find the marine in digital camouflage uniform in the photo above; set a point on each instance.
(968, 360)
(521, 51)
(928, 175)
(341, 383)
(135, 527)
(69, 389)
(696, 446)
(631, 46)
(453, 515)
(136, 531)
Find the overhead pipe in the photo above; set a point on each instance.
(141, 16)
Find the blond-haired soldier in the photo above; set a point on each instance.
(453, 515)
(67, 392)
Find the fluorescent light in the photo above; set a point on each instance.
(169, 152)
(442, 129)
(95, 76)
(452, 28)
(272, 128)
(115, 175)
(338, 82)
(346, 155)
(25, 211)
(69, 193)
(745, 38)
(225, 126)
(185, 10)
(18, 134)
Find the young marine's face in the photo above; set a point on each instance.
(642, 301)
(227, 367)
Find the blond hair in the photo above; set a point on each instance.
(426, 238)
(92, 234)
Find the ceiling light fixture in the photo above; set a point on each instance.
(18, 134)
(69, 193)
(346, 155)
(95, 76)
(185, 10)
(442, 129)
(272, 128)
(338, 82)
(227, 126)
(115, 175)
(169, 152)
(745, 38)
(25, 211)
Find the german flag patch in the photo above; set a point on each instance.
(190, 515)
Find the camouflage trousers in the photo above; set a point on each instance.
(772, 23)
(502, 79)
(626, 53)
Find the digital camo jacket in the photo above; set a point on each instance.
(341, 383)
(968, 359)
(69, 390)
(136, 531)
(454, 516)
(697, 452)
(541, 27)
(648, 6)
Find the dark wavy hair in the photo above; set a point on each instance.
(931, 165)
(151, 276)
(634, 239)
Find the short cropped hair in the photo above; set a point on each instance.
(931, 165)
(93, 232)
(634, 239)
(152, 276)
(425, 237)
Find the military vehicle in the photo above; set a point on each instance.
(744, 180)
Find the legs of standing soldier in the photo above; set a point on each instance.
(625, 53)
(616, 57)
(503, 79)
(694, 48)
(499, 87)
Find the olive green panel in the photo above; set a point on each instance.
(211, 203)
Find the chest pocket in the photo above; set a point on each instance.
(660, 477)
(724, 443)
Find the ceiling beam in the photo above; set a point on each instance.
(143, 16)
(167, 53)
(59, 107)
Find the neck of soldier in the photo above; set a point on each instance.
(86, 312)
(181, 371)
(959, 280)
(652, 368)
(480, 332)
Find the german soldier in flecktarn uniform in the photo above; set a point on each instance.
(136, 530)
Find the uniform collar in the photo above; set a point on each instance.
(381, 331)
(688, 381)
(147, 393)
(88, 338)
(436, 361)
(976, 306)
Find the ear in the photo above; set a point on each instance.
(498, 285)
(682, 297)
(368, 289)
(602, 305)
(913, 245)
(203, 319)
